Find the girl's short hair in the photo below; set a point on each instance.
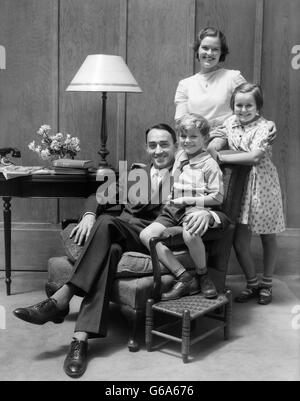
(163, 127)
(248, 87)
(191, 121)
(209, 31)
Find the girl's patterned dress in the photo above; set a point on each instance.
(261, 207)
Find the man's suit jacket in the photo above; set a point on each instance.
(140, 211)
(146, 211)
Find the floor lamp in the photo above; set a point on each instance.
(104, 73)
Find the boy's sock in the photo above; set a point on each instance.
(201, 271)
(266, 282)
(185, 277)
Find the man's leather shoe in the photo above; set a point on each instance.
(45, 311)
(180, 289)
(208, 288)
(76, 360)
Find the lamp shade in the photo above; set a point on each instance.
(104, 73)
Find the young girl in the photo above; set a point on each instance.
(261, 209)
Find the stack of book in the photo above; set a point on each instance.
(72, 166)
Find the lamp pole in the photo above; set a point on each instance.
(103, 152)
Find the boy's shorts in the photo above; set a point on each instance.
(173, 216)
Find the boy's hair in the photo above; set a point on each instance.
(163, 127)
(210, 31)
(248, 87)
(191, 121)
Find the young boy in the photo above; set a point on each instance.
(197, 185)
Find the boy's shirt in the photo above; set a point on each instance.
(197, 176)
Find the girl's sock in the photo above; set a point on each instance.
(252, 283)
(266, 282)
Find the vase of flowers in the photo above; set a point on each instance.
(56, 146)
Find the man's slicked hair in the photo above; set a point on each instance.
(163, 127)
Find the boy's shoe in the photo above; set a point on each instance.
(265, 295)
(180, 289)
(247, 294)
(208, 288)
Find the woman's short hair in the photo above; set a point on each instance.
(191, 121)
(163, 127)
(248, 87)
(209, 31)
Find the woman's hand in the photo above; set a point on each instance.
(213, 152)
(198, 222)
(273, 132)
(83, 229)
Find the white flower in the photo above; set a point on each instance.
(45, 154)
(44, 130)
(54, 145)
(32, 146)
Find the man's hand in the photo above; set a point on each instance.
(83, 229)
(197, 222)
(178, 202)
(183, 201)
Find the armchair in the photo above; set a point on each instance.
(134, 282)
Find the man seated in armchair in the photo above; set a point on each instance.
(106, 239)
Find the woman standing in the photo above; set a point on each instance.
(209, 91)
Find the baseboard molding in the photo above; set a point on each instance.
(34, 243)
(288, 254)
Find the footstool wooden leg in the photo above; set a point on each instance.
(186, 332)
(228, 315)
(149, 325)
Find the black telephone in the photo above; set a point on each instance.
(4, 161)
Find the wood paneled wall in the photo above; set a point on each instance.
(28, 85)
(282, 93)
(47, 40)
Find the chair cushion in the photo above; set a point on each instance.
(72, 250)
(132, 264)
(135, 264)
(135, 291)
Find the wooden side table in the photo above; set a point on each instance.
(187, 309)
(39, 186)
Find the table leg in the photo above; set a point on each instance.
(7, 241)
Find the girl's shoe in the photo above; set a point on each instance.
(265, 295)
(247, 294)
